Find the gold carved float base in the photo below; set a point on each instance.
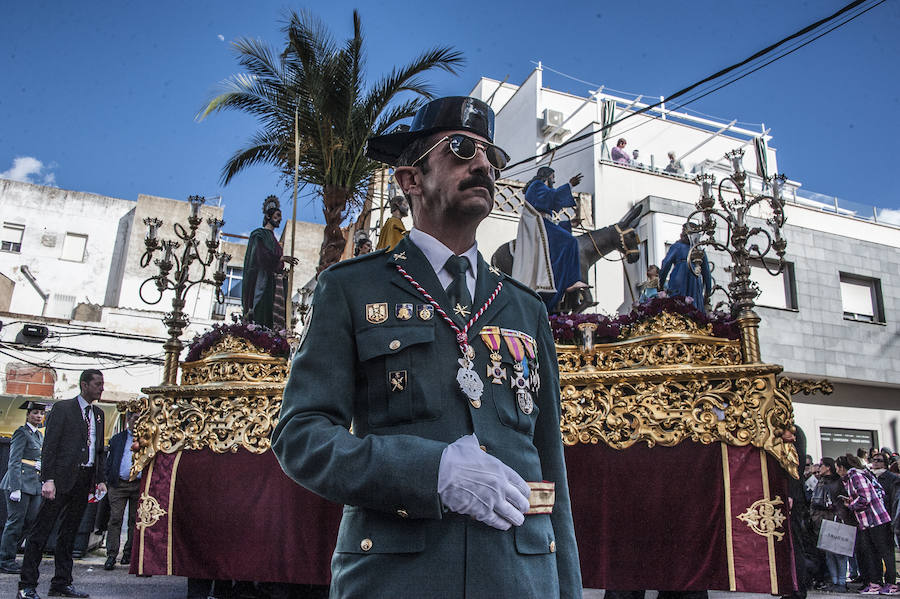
(667, 381)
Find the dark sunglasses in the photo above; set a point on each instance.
(465, 147)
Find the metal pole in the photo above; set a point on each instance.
(289, 293)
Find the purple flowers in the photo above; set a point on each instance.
(262, 337)
(565, 326)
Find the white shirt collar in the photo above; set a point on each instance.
(437, 253)
(29, 425)
(82, 402)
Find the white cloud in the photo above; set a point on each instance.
(887, 215)
(30, 170)
(221, 37)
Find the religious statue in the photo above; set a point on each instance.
(263, 291)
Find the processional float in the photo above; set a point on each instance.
(678, 442)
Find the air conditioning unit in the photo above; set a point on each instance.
(552, 121)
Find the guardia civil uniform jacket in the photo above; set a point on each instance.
(24, 452)
(378, 359)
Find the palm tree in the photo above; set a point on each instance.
(321, 85)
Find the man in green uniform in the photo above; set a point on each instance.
(22, 484)
(453, 477)
(263, 268)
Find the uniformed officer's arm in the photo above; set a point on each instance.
(548, 441)
(14, 465)
(312, 441)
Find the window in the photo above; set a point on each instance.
(861, 298)
(779, 291)
(231, 288)
(11, 239)
(73, 247)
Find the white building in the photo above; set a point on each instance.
(835, 311)
(71, 262)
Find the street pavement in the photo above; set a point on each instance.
(119, 584)
(90, 577)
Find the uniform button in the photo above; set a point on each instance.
(483, 448)
(403, 513)
(552, 546)
(476, 403)
(365, 544)
(395, 344)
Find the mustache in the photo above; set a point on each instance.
(478, 180)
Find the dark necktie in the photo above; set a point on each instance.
(458, 290)
(87, 424)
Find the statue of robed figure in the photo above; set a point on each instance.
(263, 286)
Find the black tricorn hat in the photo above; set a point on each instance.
(454, 113)
(32, 405)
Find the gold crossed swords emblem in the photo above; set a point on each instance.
(398, 380)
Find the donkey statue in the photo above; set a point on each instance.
(592, 246)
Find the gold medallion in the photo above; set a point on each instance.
(377, 313)
(425, 311)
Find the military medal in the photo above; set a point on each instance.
(403, 311)
(495, 371)
(425, 311)
(469, 383)
(377, 313)
(520, 379)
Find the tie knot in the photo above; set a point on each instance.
(457, 265)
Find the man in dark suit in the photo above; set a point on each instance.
(22, 484)
(447, 371)
(122, 491)
(71, 459)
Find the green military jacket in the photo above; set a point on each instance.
(376, 362)
(20, 476)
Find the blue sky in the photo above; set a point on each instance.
(101, 96)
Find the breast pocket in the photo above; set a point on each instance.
(511, 411)
(399, 363)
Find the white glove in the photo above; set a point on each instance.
(37, 465)
(476, 484)
(15, 496)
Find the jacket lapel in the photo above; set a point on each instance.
(485, 284)
(411, 259)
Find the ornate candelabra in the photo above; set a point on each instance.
(180, 281)
(742, 241)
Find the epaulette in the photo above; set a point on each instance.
(357, 259)
(522, 286)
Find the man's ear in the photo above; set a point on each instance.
(410, 180)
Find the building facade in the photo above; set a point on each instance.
(71, 290)
(833, 313)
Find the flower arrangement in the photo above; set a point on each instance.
(273, 343)
(565, 326)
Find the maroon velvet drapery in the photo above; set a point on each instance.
(656, 518)
(233, 516)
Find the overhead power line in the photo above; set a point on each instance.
(759, 54)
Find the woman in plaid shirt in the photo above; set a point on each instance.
(865, 498)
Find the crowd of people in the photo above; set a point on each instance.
(861, 491)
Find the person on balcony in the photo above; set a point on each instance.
(674, 167)
(557, 243)
(619, 154)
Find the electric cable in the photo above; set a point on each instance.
(681, 106)
(714, 76)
